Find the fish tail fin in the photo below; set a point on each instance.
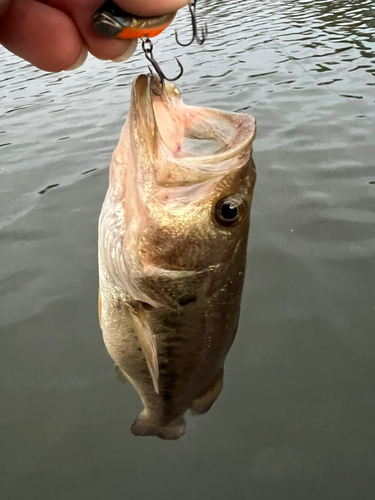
(145, 425)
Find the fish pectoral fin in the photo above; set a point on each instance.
(147, 341)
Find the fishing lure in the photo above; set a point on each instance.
(195, 36)
(113, 22)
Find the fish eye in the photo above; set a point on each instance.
(228, 210)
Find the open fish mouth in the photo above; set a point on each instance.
(189, 144)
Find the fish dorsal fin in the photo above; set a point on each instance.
(147, 341)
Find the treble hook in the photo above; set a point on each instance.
(147, 48)
(192, 8)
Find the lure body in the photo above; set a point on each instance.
(112, 22)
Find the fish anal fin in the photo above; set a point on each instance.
(204, 402)
(147, 341)
(120, 375)
(145, 425)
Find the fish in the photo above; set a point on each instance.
(172, 247)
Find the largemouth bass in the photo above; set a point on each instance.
(172, 250)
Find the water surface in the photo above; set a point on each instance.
(296, 417)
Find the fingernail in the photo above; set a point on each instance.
(82, 58)
(128, 52)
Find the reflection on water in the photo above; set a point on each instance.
(295, 418)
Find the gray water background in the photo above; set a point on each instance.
(296, 417)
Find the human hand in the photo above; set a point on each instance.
(55, 35)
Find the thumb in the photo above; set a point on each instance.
(44, 36)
